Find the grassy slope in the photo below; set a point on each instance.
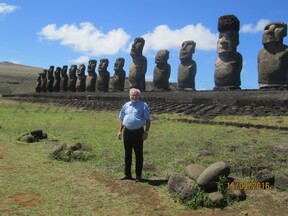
(16, 78)
(32, 184)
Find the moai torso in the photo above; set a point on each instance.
(92, 76)
(102, 82)
(118, 79)
(56, 86)
(44, 80)
(81, 79)
(228, 68)
(162, 71)
(138, 67)
(72, 78)
(187, 68)
(273, 58)
(228, 64)
(50, 82)
(64, 78)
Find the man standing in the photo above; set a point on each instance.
(134, 115)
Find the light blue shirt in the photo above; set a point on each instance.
(134, 115)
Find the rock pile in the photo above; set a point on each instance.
(206, 186)
(71, 152)
(33, 136)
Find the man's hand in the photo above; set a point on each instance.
(145, 136)
(119, 135)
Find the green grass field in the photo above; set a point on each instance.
(33, 184)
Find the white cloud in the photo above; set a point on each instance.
(87, 39)
(259, 27)
(91, 41)
(163, 37)
(80, 60)
(6, 9)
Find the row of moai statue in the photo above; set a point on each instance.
(272, 63)
(272, 60)
(162, 70)
(77, 81)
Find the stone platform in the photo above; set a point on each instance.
(196, 103)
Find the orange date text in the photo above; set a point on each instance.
(248, 185)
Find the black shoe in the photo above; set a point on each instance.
(139, 179)
(126, 178)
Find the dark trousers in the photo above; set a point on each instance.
(133, 140)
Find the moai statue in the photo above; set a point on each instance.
(56, 86)
(44, 80)
(102, 83)
(81, 79)
(92, 76)
(228, 64)
(72, 78)
(162, 71)
(38, 84)
(273, 58)
(64, 79)
(50, 79)
(118, 79)
(187, 68)
(138, 67)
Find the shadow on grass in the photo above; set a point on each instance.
(156, 182)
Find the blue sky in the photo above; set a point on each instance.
(64, 32)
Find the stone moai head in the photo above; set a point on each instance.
(81, 70)
(103, 65)
(44, 74)
(92, 66)
(137, 46)
(119, 64)
(51, 71)
(73, 70)
(162, 57)
(274, 32)
(64, 70)
(57, 72)
(187, 50)
(228, 26)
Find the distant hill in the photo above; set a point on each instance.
(17, 78)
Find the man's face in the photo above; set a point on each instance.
(134, 96)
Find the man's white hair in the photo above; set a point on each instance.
(135, 90)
